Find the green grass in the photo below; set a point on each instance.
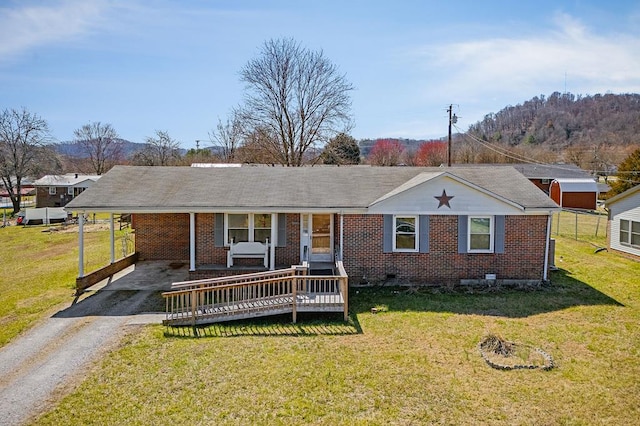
(39, 267)
(416, 361)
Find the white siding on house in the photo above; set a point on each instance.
(627, 208)
(420, 199)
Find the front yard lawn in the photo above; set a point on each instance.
(415, 361)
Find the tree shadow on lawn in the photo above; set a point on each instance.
(564, 292)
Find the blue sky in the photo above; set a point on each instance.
(174, 65)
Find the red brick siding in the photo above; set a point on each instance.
(44, 199)
(206, 251)
(166, 237)
(525, 242)
(290, 254)
(162, 236)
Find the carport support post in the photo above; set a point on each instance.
(112, 238)
(81, 245)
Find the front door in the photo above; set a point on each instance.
(317, 237)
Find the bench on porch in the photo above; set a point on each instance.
(248, 250)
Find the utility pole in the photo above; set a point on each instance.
(452, 120)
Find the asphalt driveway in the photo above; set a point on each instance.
(37, 367)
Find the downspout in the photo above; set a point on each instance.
(545, 273)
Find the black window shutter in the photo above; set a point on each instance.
(499, 234)
(218, 230)
(423, 225)
(387, 233)
(462, 233)
(282, 230)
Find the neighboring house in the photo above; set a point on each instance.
(433, 226)
(575, 193)
(58, 190)
(624, 222)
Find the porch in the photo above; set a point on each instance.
(290, 290)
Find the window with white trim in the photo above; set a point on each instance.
(244, 227)
(70, 190)
(629, 233)
(405, 234)
(52, 190)
(480, 234)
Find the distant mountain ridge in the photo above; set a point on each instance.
(71, 149)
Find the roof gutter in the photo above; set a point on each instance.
(219, 209)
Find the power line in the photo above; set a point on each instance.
(521, 158)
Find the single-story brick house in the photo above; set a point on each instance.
(58, 190)
(434, 226)
(624, 222)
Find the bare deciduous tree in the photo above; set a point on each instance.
(23, 151)
(100, 143)
(298, 95)
(228, 138)
(160, 150)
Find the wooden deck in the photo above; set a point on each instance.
(256, 295)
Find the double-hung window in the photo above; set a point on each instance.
(629, 232)
(405, 236)
(481, 234)
(261, 227)
(52, 190)
(244, 227)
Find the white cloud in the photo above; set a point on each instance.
(26, 27)
(532, 65)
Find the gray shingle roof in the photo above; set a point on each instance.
(181, 189)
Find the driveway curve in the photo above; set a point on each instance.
(37, 365)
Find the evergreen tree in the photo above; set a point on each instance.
(628, 174)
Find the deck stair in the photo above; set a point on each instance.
(290, 290)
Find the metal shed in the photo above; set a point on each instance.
(575, 193)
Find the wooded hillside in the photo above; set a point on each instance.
(563, 120)
(593, 132)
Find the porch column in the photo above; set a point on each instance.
(192, 241)
(80, 245)
(112, 238)
(341, 234)
(274, 236)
